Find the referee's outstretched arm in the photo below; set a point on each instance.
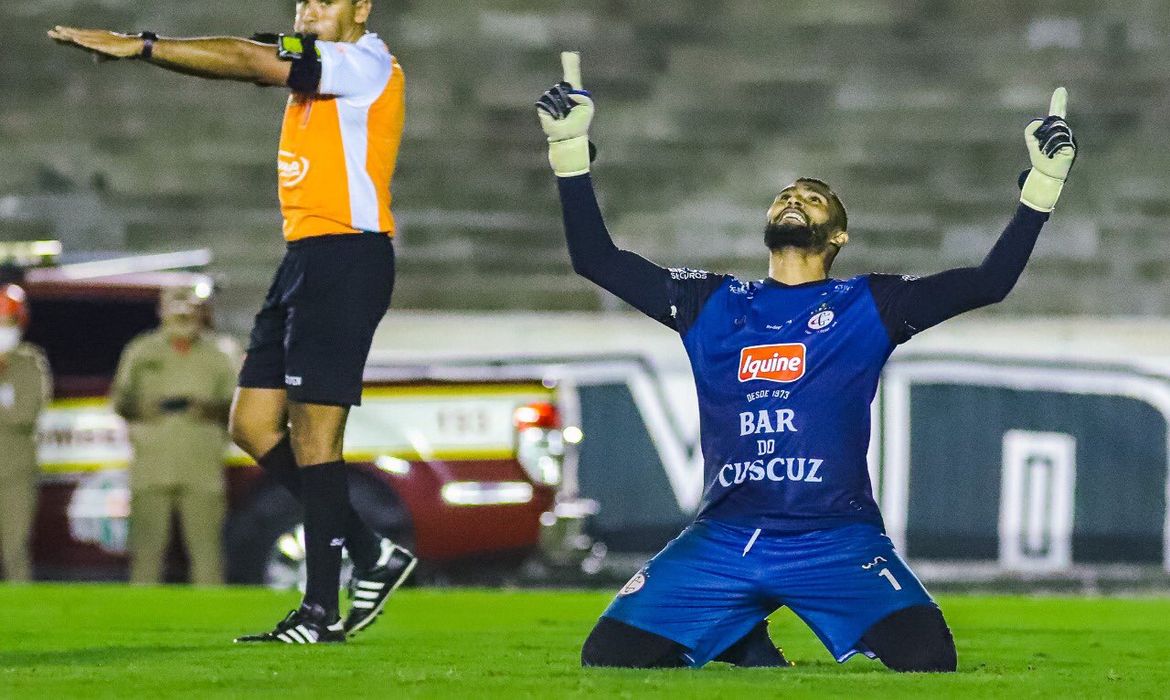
(220, 58)
(293, 61)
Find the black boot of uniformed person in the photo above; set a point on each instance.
(369, 589)
(308, 624)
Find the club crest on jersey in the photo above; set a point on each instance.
(821, 320)
(781, 363)
(633, 585)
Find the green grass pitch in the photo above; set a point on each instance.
(112, 641)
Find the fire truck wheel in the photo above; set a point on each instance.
(264, 541)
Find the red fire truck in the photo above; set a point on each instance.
(473, 473)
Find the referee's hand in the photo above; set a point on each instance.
(565, 111)
(103, 44)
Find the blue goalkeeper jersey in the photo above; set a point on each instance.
(785, 377)
(786, 374)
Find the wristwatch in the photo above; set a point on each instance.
(148, 39)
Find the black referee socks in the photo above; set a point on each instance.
(363, 544)
(282, 466)
(326, 498)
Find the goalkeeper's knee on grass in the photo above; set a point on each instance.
(915, 639)
(615, 644)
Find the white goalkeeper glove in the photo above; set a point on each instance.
(1053, 149)
(565, 111)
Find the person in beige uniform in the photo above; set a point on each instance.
(174, 386)
(25, 388)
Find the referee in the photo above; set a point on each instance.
(308, 347)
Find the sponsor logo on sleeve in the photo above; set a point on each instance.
(781, 363)
(685, 273)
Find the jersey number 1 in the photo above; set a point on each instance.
(890, 577)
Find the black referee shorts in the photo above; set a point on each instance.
(313, 334)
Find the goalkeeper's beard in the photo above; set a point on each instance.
(811, 237)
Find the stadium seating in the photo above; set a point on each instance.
(914, 110)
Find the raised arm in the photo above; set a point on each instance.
(565, 112)
(665, 295)
(910, 305)
(632, 278)
(220, 58)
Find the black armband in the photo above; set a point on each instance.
(265, 38)
(301, 50)
(148, 39)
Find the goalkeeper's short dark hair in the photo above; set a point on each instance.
(836, 207)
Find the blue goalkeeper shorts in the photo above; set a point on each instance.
(714, 582)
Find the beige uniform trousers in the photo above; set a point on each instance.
(178, 454)
(200, 513)
(18, 504)
(25, 388)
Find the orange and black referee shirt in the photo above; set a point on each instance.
(338, 147)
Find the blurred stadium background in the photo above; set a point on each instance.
(912, 109)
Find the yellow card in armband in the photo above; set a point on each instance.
(291, 47)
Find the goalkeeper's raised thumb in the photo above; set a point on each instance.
(565, 112)
(1052, 150)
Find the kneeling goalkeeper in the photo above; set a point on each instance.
(786, 369)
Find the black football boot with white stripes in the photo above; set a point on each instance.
(308, 624)
(369, 589)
